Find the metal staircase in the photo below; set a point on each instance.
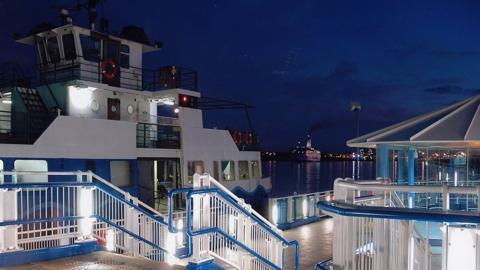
(39, 117)
(217, 230)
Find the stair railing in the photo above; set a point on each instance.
(221, 226)
(52, 214)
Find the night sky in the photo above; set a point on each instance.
(300, 63)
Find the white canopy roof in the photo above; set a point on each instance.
(456, 125)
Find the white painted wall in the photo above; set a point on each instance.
(216, 145)
(140, 103)
(73, 137)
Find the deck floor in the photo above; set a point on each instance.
(101, 260)
(315, 246)
(316, 243)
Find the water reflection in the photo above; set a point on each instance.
(291, 177)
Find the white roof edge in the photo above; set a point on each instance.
(467, 103)
(412, 121)
(477, 112)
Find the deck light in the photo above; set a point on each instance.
(110, 239)
(6, 101)
(275, 213)
(176, 110)
(86, 211)
(305, 208)
(81, 96)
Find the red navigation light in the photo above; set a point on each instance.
(188, 101)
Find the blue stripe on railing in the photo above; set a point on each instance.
(72, 218)
(344, 209)
(225, 196)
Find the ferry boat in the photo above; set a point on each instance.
(92, 105)
(306, 153)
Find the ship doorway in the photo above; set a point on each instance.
(113, 112)
(157, 177)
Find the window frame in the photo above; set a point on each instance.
(49, 55)
(124, 54)
(246, 163)
(232, 170)
(91, 40)
(74, 49)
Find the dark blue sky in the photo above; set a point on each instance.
(300, 62)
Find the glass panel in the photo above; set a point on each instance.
(228, 170)
(215, 170)
(69, 47)
(243, 170)
(255, 169)
(90, 48)
(195, 166)
(120, 173)
(41, 50)
(53, 50)
(31, 166)
(112, 51)
(125, 56)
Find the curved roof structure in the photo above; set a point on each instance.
(457, 125)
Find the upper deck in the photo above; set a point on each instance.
(71, 52)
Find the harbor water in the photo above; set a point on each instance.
(306, 177)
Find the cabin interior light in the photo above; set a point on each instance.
(275, 213)
(169, 101)
(86, 212)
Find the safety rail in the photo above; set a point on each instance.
(298, 209)
(379, 226)
(136, 78)
(223, 226)
(55, 214)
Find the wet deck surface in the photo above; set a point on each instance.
(101, 260)
(316, 243)
(315, 246)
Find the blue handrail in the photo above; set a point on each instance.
(190, 233)
(350, 210)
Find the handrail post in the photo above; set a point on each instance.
(2, 177)
(89, 176)
(14, 176)
(79, 176)
(445, 197)
(200, 220)
(8, 212)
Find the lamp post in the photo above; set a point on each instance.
(356, 108)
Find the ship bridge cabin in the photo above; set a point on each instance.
(91, 105)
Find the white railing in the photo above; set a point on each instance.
(228, 229)
(45, 215)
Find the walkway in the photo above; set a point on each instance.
(315, 243)
(101, 260)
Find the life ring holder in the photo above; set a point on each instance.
(109, 68)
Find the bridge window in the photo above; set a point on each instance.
(90, 48)
(243, 170)
(120, 173)
(228, 170)
(255, 164)
(195, 166)
(31, 166)
(215, 170)
(69, 47)
(53, 50)
(41, 51)
(125, 56)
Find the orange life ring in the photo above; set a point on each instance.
(109, 68)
